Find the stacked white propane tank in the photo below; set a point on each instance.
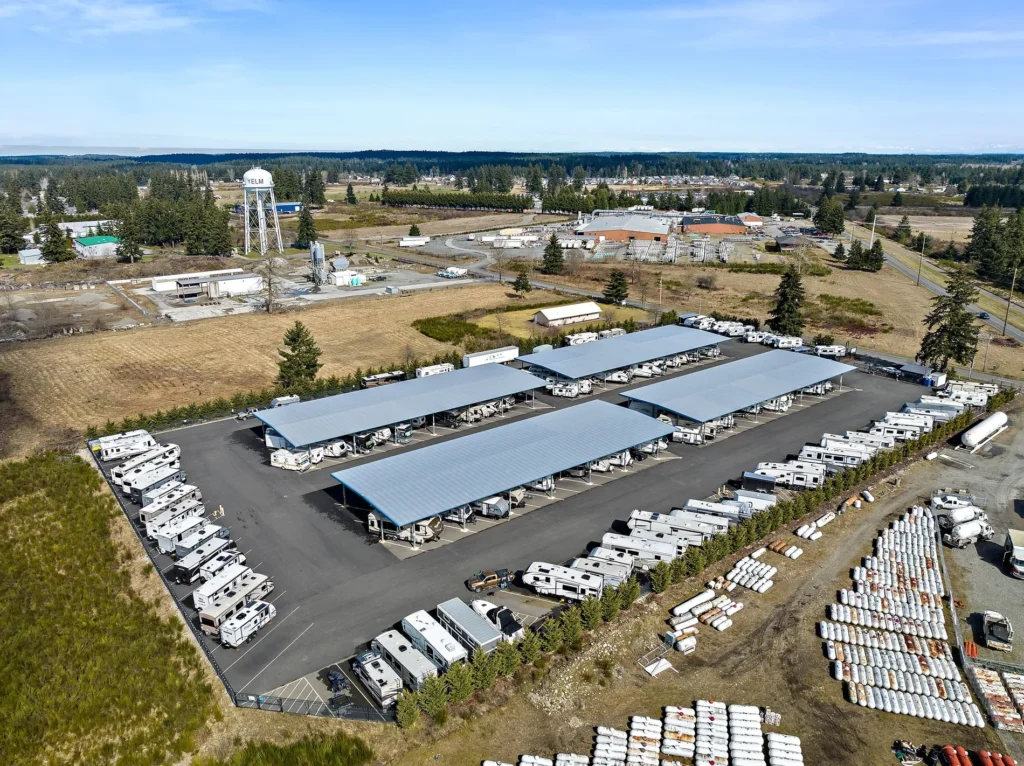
(711, 744)
(888, 639)
(746, 742)
(753, 574)
(784, 750)
(812, 531)
(609, 747)
(644, 745)
(571, 759)
(679, 733)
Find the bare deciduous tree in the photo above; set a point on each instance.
(271, 283)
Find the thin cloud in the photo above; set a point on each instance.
(99, 17)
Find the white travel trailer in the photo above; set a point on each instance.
(169, 536)
(421, 532)
(129, 475)
(562, 582)
(291, 460)
(162, 455)
(646, 553)
(940, 413)
(578, 339)
(96, 445)
(611, 572)
(409, 662)
(734, 513)
(189, 543)
(189, 569)
(648, 521)
(281, 401)
(970, 398)
(436, 643)
(836, 352)
(833, 455)
(469, 629)
(123, 446)
(434, 369)
(719, 524)
(212, 590)
(150, 481)
(378, 678)
(923, 422)
(615, 557)
(973, 386)
(901, 432)
(176, 494)
(256, 586)
(494, 356)
(841, 442)
(243, 625)
(758, 501)
(795, 474)
(219, 562)
(172, 515)
(877, 441)
(680, 542)
(787, 341)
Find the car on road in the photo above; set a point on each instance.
(489, 578)
(984, 315)
(378, 277)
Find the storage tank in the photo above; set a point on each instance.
(976, 435)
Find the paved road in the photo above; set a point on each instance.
(336, 588)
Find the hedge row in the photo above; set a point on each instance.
(1001, 399)
(566, 633)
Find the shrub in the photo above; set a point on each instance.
(707, 281)
(629, 592)
(610, 603)
(332, 750)
(529, 647)
(407, 710)
(572, 628)
(661, 577)
(591, 612)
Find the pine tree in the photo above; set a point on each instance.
(506, 658)
(897, 200)
(572, 628)
(522, 284)
(591, 612)
(485, 670)
(840, 253)
(12, 226)
(785, 318)
(903, 232)
(414, 231)
(629, 592)
(553, 637)
(350, 195)
(407, 709)
(127, 227)
(314, 192)
(529, 647)
(554, 262)
(459, 679)
(301, 362)
(56, 247)
(661, 577)
(876, 256)
(307, 233)
(433, 699)
(986, 246)
(829, 217)
(617, 289)
(610, 602)
(952, 334)
(579, 177)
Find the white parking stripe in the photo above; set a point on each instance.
(293, 611)
(277, 656)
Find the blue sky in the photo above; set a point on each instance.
(732, 75)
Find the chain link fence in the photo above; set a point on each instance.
(316, 708)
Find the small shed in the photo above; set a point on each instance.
(789, 244)
(557, 316)
(31, 256)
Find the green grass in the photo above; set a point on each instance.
(11, 262)
(450, 328)
(90, 673)
(338, 750)
(838, 303)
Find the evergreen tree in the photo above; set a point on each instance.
(553, 637)
(407, 709)
(350, 195)
(307, 234)
(522, 284)
(315, 192)
(301, 362)
(610, 602)
(869, 217)
(433, 699)
(56, 247)
(952, 334)
(903, 232)
(854, 199)
(591, 612)
(876, 256)
(986, 246)
(617, 289)
(785, 318)
(485, 670)
(661, 577)
(333, 175)
(829, 217)
(414, 231)
(12, 226)
(879, 184)
(459, 679)
(554, 262)
(535, 179)
(579, 177)
(506, 658)
(127, 227)
(897, 200)
(529, 647)
(629, 592)
(841, 183)
(572, 628)
(856, 258)
(840, 253)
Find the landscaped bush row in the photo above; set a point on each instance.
(567, 633)
(1001, 399)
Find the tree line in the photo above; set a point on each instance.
(483, 200)
(996, 247)
(999, 195)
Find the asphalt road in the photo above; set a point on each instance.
(336, 588)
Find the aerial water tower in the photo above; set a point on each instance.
(260, 209)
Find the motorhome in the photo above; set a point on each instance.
(434, 369)
(900, 432)
(420, 532)
(562, 582)
(291, 460)
(403, 433)
(381, 379)
(188, 569)
(410, 663)
(225, 580)
(681, 541)
(219, 562)
(469, 629)
(646, 553)
(243, 625)
(612, 572)
(129, 475)
(795, 474)
(256, 586)
(378, 678)
(177, 494)
(190, 542)
(125, 446)
(180, 511)
(615, 557)
(148, 481)
(169, 536)
(923, 422)
(668, 524)
(833, 455)
(436, 643)
(162, 455)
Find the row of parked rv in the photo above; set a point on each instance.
(172, 517)
(426, 646)
(751, 334)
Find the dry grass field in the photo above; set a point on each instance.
(942, 228)
(520, 323)
(434, 224)
(48, 387)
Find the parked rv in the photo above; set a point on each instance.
(169, 536)
(434, 369)
(646, 553)
(381, 379)
(899, 431)
(227, 579)
(162, 455)
(494, 356)
(243, 625)
(219, 562)
(562, 582)
(601, 553)
(189, 569)
(281, 401)
(469, 629)
(149, 481)
(436, 643)
(410, 663)
(129, 475)
(501, 618)
(834, 455)
(381, 682)
(679, 542)
(291, 460)
(612, 572)
(420, 532)
(124, 446)
(794, 474)
(172, 515)
(192, 541)
(254, 587)
(176, 494)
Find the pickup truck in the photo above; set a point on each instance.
(489, 578)
(1014, 556)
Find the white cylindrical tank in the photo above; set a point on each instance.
(976, 435)
(257, 178)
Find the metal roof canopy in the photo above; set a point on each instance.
(608, 354)
(416, 485)
(320, 420)
(708, 394)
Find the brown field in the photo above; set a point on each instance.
(942, 228)
(460, 223)
(520, 323)
(48, 387)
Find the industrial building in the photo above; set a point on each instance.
(557, 316)
(751, 220)
(626, 228)
(427, 482)
(709, 223)
(218, 285)
(710, 394)
(335, 417)
(96, 247)
(603, 356)
(168, 283)
(76, 229)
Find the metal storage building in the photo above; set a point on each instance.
(417, 485)
(556, 316)
(333, 417)
(588, 359)
(709, 394)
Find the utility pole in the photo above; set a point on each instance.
(920, 263)
(873, 222)
(1013, 283)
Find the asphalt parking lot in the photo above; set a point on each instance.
(336, 587)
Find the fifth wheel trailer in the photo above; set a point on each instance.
(168, 453)
(427, 635)
(420, 532)
(256, 586)
(137, 486)
(562, 582)
(646, 553)
(210, 591)
(408, 661)
(189, 569)
(173, 515)
(125, 445)
(611, 572)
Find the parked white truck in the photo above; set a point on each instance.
(968, 533)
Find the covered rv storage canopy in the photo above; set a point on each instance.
(413, 486)
(609, 354)
(708, 394)
(333, 417)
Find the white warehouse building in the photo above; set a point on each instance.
(557, 316)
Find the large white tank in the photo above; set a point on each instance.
(974, 436)
(257, 178)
